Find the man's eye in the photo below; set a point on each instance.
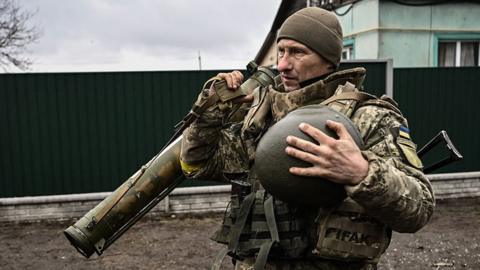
(297, 51)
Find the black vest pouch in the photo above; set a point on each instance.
(346, 233)
(241, 188)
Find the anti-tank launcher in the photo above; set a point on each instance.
(106, 222)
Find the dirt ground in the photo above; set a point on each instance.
(450, 241)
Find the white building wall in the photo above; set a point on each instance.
(406, 34)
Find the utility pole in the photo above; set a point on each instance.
(199, 61)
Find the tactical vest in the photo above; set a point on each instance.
(257, 224)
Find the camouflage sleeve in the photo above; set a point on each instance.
(395, 191)
(211, 146)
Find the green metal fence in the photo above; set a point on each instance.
(85, 132)
(376, 81)
(88, 132)
(435, 99)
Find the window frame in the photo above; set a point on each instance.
(458, 38)
(349, 45)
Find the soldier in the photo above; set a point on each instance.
(385, 187)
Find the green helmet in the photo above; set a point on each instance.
(272, 163)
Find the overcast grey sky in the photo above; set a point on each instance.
(127, 35)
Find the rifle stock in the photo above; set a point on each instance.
(453, 153)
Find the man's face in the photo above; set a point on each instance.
(297, 63)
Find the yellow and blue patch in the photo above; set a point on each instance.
(408, 148)
(404, 132)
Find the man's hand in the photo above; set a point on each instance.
(234, 79)
(339, 161)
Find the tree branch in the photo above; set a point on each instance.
(15, 35)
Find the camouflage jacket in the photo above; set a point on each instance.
(395, 192)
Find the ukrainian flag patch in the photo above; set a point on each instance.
(404, 132)
(408, 148)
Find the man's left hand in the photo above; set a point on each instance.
(338, 160)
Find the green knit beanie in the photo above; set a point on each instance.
(316, 28)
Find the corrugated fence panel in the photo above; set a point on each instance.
(435, 99)
(376, 76)
(88, 132)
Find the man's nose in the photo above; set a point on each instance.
(284, 63)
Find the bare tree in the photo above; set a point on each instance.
(15, 35)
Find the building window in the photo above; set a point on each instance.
(459, 53)
(347, 52)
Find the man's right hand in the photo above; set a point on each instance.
(234, 79)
